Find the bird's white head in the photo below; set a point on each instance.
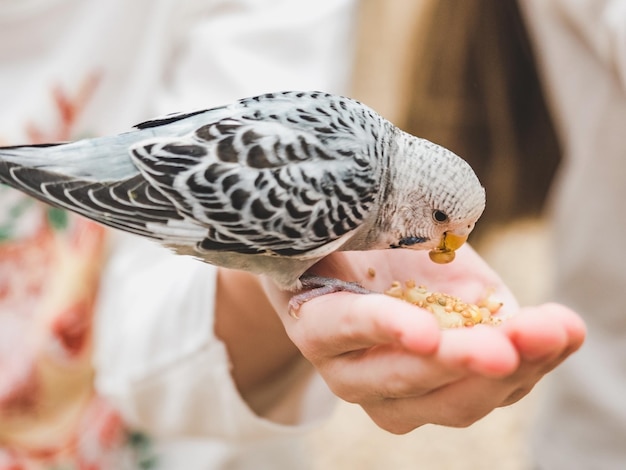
(435, 202)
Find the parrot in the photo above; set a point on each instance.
(269, 184)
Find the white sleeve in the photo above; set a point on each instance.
(159, 362)
(601, 24)
(238, 48)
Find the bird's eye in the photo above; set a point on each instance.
(439, 216)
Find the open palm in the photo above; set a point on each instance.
(391, 357)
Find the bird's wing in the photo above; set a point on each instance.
(270, 186)
(130, 204)
(285, 173)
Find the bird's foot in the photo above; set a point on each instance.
(317, 286)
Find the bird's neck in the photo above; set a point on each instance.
(401, 176)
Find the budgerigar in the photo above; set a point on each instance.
(269, 184)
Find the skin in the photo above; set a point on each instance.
(388, 356)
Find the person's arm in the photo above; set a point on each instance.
(179, 353)
(261, 353)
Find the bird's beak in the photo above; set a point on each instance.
(450, 242)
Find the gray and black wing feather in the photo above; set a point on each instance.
(261, 186)
(261, 176)
(130, 205)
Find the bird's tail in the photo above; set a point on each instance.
(95, 178)
(99, 159)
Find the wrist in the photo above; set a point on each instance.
(258, 347)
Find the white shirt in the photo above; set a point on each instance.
(88, 67)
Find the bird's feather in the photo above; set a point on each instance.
(250, 178)
(268, 184)
(258, 186)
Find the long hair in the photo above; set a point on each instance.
(475, 89)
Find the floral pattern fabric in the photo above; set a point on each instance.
(50, 415)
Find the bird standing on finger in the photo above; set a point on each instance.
(269, 184)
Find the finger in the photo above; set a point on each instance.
(457, 404)
(339, 323)
(482, 350)
(573, 325)
(546, 333)
(386, 373)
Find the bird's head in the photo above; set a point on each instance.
(437, 201)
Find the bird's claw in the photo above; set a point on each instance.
(317, 286)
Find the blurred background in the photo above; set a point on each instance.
(460, 73)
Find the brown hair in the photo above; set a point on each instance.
(476, 91)
(471, 85)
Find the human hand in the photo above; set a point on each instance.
(391, 358)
